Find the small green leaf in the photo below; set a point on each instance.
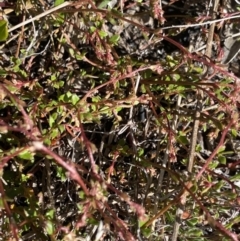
(26, 155)
(218, 185)
(61, 173)
(143, 89)
(141, 152)
(147, 232)
(47, 142)
(65, 97)
(58, 2)
(92, 29)
(68, 94)
(80, 57)
(51, 121)
(183, 140)
(49, 227)
(234, 132)
(222, 159)
(236, 177)
(194, 188)
(61, 128)
(95, 99)
(195, 232)
(213, 165)
(221, 149)
(3, 30)
(71, 52)
(54, 133)
(50, 214)
(193, 221)
(103, 4)
(24, 178)
(58, 84)
(75, 99)
(3, 72)
(81, 195)
(102, 34)
(114, 39)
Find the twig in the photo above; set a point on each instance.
(166, 156)
(203, 23)
(70, 167)
(215, 150)
(41, 15)
(193, 142)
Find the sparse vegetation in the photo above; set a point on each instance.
(119, 121)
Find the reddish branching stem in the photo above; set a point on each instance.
(70, 167)
(214, 153)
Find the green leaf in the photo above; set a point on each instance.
(147, 232)
(183, 140)
(141, 152)
(143, 220)
(92, 29)
(47, 142)
(69, 94)
(236, 177)
(213, 165)
(218, 185)
(95, 99)
(24, 178)
(26, 155)
(236, 220)
(50, 214)
(75, 99)
(61, 173)
(3, 72)
(49, 226)
(61, 128)
(221, 149)
(195, 232)
(194, 188)
(80, 57)
(114, 39)
(54, 133)
(102, 34)
(103, 4)
(58, 2)
(71, 52)
(65, 97)
(234, 132)
(192, 222)
(143, 89)
(51, 121)
(81, 195)
(222, 159)
(3, 30)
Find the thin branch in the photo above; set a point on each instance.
(41, 15)
(195, 130)
(203, 23)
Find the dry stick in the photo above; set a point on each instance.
(122, 17)
(201, 24)
(195, 128)
(211, 220)
(41, 15)
(187, 189)
(166, 157)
